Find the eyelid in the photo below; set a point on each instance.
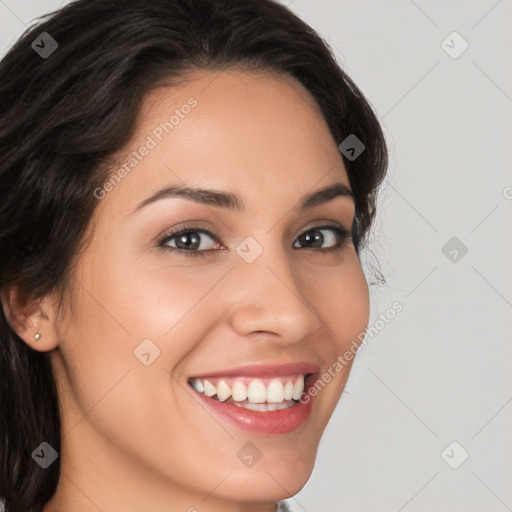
(323, 226)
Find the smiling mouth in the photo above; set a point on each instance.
(255, 394)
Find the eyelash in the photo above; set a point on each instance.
(344, 235)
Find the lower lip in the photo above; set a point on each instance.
(281, 421)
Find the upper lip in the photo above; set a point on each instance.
(263, 370)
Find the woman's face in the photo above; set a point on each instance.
(252, 296)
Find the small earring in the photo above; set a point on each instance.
(37, 336)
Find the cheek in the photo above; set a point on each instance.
(148, 297)
(340, 298)
(353, 306)
(140, 409)
(126, 315)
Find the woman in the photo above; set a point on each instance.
(187, 186)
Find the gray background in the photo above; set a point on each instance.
(440, 371)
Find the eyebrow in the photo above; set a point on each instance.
(233, 202)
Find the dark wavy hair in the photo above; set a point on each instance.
(63, 117)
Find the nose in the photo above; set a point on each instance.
(268, 301)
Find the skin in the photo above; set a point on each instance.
(134, 436)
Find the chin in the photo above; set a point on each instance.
(268, 484)
(279, 474)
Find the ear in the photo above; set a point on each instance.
(29, 316)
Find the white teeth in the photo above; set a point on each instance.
(288, 390)
(209, 388)
(298, 388)
(239, 391)
(257, 392)
(223, 391)
(278, 393)
(275, 392)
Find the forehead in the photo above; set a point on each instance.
(246, 132)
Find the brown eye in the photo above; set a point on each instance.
(190, 241)
(328, 237)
